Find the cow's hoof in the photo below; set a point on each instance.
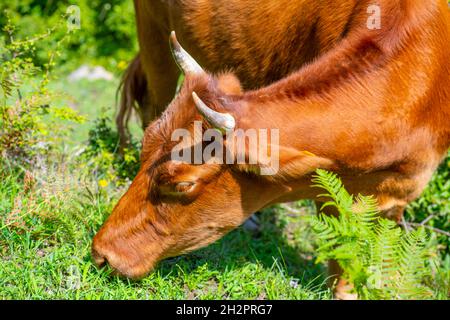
(345, 296)
(344, 292)
(252, 224)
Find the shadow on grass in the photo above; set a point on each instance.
(270, 248)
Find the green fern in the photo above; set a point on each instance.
(380, 259)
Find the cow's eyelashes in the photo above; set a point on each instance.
(177, 188)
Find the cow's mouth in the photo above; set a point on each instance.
(123, 258)
(137, 273)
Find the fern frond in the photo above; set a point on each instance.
(330, 182)
(412, 255)
(366, 209)
(378, 257)
(384, 244)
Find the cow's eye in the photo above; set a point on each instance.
(184, 191)
(184, 187)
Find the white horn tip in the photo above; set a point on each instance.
(174, 40)
(228, 122)
(196, 98)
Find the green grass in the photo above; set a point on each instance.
(92, 99)
(46, 234)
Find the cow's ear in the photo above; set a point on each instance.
(295, 164)
(229, 84)
(282, 163)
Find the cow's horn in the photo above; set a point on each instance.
(184, 60)
(222, 121)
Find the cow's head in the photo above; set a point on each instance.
(173, 207)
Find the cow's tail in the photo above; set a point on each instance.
(133, 93)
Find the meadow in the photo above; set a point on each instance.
(61, 175)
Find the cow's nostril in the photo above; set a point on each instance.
(99, 259)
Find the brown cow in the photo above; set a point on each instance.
(370, 100)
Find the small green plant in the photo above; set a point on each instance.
(102, 153)
(381, 260)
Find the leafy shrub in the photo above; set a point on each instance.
(380, 259)
(28, 118)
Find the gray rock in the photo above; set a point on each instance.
(90, 73)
